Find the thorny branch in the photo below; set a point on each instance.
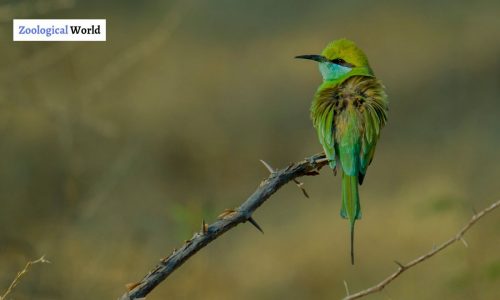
(404, 267)
(227, 220)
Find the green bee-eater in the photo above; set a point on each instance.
(348, 111)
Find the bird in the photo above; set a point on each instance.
(348, 111)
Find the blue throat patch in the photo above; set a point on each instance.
(331, 71)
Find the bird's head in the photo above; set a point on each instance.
(341, 59)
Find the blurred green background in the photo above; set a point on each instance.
(113, 152)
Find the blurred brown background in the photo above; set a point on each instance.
(112, 153)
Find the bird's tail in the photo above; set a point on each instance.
(351, 208)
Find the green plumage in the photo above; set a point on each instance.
(348, 111)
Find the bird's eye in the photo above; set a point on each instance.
(338, 61)
(341, 62)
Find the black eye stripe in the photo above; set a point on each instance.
(341, 62)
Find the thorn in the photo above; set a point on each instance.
(321, 160)
(401, 266)
(300, 185)
(228, 212)
(474, 211)
(204, 226)
(289, 166)
(464, 242)
(268, 167)
(335, 171)
(131, 285)
(252, 221)
(346, 288)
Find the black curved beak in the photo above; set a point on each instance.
(318, 58)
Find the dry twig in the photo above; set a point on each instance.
(404, 267)
(227, 220)
(20, 275)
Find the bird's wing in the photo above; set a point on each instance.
(325, 129)
(374, 118)
(368, 142)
